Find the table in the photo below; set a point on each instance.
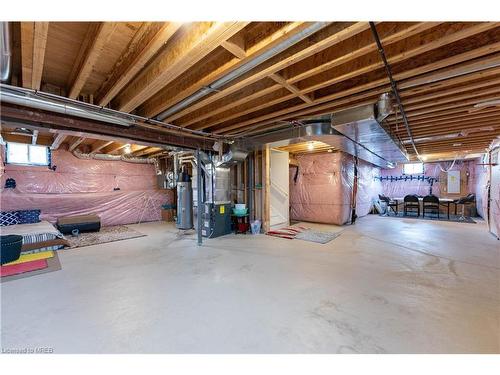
(241, 223)
(442, 201)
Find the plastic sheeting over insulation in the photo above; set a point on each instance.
(119, 192)
(323, 190)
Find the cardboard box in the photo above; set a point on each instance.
(167, 214)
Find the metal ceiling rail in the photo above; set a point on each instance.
(394, 86)
(55, 103)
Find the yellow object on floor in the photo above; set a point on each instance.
(30, 257)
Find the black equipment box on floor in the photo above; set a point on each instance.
(216, 220)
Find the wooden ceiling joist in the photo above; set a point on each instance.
(193, 44)
(294, 111)
(93, 48)
(34, 137)
(33, 45)
(169, 96)
(350, 73)
(443, 70)
(58, 140)
(146, 43)
(344, 31)
(73, 145)
(98, 146)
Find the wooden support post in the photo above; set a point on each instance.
(266, 187)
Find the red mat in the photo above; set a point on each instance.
(16, 269)
(287, 232)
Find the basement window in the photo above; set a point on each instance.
(413, 168)
(25, 154)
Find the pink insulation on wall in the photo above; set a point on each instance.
(322, 192)
(78, 187)
(396, 189)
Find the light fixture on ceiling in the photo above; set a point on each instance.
(127, 149)
(330, 150)
(310, 146)
(457, 144)
(423, 157)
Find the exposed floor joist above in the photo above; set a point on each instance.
(447, 73)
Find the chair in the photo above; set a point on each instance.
(390, 204)
(430, 203)
(411, 203)
(469, 199)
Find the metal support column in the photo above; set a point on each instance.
(200, 203)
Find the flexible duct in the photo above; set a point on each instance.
(217, 85)
(6, 52)
(125, 158)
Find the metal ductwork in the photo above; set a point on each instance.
(219, 83)
(363, 126)
(29, 98)
(5, 52)
(233, 156)
(356, 131)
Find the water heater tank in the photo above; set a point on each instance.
(184, 202)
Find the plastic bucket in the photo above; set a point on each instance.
(255, 226)
(240, 206)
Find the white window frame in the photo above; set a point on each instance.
(30, 163)
(412, 172)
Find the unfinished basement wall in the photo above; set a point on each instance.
(117, 191)
(395, 189)
(322, 191)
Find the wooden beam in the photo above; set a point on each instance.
(344, 32)
(346, 72)
(437, 65)
(290, 87)
(115, 147)
(140, 133)
(58, 140)
(347, 50)
(236, 46)
(27, 41)
(99, 146)
(146, 43)
(75, 143)
(143, 150)
(195, 42)
(41, 31)
(266, 186)
(195, 81)
(95, 49)
(34, 137)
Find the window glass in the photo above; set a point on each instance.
(21, 153)
(38, 155)
(413, 168)
(17, 153)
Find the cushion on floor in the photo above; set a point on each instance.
(8, 218)
(28, 216)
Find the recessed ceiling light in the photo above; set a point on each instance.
(457, 144)
(310, 146)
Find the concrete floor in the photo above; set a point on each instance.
(386, 285)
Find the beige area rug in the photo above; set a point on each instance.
(106, 234)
